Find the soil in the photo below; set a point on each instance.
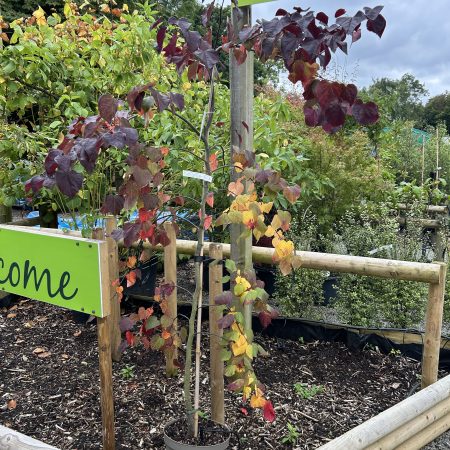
(49, 387)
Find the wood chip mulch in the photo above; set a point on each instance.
(49, 387)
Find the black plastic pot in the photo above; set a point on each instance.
(171, 444)
(146, 285)
(330, 290)
(268, 275)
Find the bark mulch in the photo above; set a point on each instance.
(49, 387)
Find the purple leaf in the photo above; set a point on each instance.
(334, 115)
(177, 100)
(322, 17)
(224, 299)
(50, 164)
(87, 152)
(142, 176)
(107, 107)
(372, 13)
(206, 16)
(365, 113)
(377, 26)
(208, 57)
(160, 38)
(126, 324)
(226, 321)
(35, 184)
(130, 233)
(64, 162)
(113, 204)
(69, 183)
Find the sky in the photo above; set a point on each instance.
(416, 40)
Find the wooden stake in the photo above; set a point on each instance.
(116, 335)
(241, 91)
(216, 333)
(433, 327)
(170, 276)
(106, 383)
(105, 366)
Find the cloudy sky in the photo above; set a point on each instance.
(416, 40)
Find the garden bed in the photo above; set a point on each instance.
(49, 368)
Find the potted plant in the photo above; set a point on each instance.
(143, 188)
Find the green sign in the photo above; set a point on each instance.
(55, 268)
(252, 2)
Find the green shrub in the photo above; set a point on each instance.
(367, 301)
(298, 294)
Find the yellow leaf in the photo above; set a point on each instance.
(125, 7)
(246, 392)
(266, 207)
(240, 346)
(257, 402)
(249, 351)
(39, 13)
(270, 232)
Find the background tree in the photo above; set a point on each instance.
(399, 99)
(437, 110)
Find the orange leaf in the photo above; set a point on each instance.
(210, 199)
(131, 262)
(235, 188)
(257, 401)
(165, 334)
(11, 404)
(164, 151)
(213, 162)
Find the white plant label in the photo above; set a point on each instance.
(197, 175)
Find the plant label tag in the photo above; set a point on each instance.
(197, 175)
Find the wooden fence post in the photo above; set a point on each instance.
(116, 336)
(216, 333)
(170, 276)
(433, 327)
(105, 366)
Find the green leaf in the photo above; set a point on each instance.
(166, 321)
(225, 354)
(230, 370)
(156, 342)
(152, 322)
(230, 265)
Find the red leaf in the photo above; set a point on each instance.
(213, 163)
(268, 411)
(340, 12)
(210, 199)
(130, 338)
(244, 411)
(208, 222)
(265, 318)
(179, 200)
(144, 215)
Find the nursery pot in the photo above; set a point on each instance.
(172, 444)
(330, 290)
